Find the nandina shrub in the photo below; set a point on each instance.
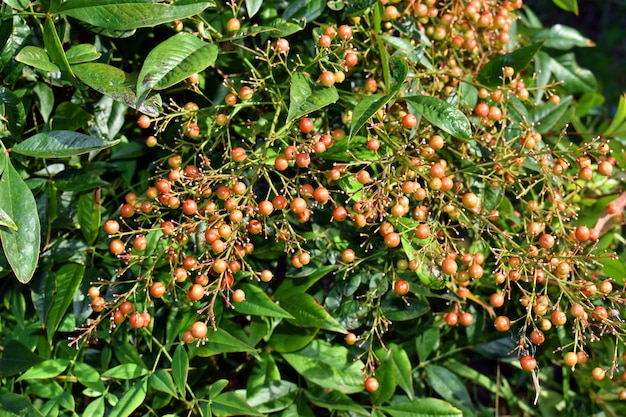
(396, 208)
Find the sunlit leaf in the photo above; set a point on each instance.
(60, 144)
(307, 96)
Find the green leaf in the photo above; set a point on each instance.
(449, 386)
(230, 404)
(81, 53)
(253, 7)
(55, 48)
(402, 369)
(21, 247)
(397, 309)
(89, 377)
(386, 377)
(328, 366)
(180, 368)
(333, 400)
(60, 144)
(13, 111)
(618, 118)
(66, 280)
(16, 358)
(369, 106)
(131, 399)
(565, 69)
(45, 100)
(7, 221)
(95, 408)
(426, 341)
(70, 116)
(289, 338)
(117, 84)
(567, 5)
(46, 369)
(125, 371)
(491, 74)
(546, 115)
(37, 58)
(264, 372)
(422, 407)
(124, 15)
(172, 61)
(273, 397)
(443, 115)
(220, 341)
(259, 304)
(307, 96)
(348, 151)
(308, 10)
(562, 37)
(161, 380)
(306, 312)
(89, 216)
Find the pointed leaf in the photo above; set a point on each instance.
(333, 400)
(16, 358)
(259, 304)
(308, 313)
(95, 408)
(422, 407)
(37, 58)
(89, 216)
(123, 15)
(21, 247)
(253, 7)
(161, 380)
(563, 38)
(172, 61)
(565, 69)
(443, 115)
(46, 369)
(14, 111)
(131, 399)
(180, 368)
(84, 52)
(55, 48)
(45, 100)
(567, 5)
(491, 74)
(230, 404)
(7, 221)
(307, 96)
(220, 341)
(328, 366)
(273, 397)
(125, 371)
(402, 369)
(67, 280)
(369, 106)
(89, 377)
(60, 144)
(117, 84)
(449, 387)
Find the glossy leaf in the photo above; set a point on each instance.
(230, 404)
(333, 400)
(16, 358)
(547, 115)
(449, 387)
(443, 115)
(55, 48)
(45, 100)
(161, 380)
(307, 312)
(398, 309)
(304, 9)
(386, 377)
(125, 371)
(123, 15)
(89, 216)
(95, 408)
(36, 57)
(369, 106)
(13, 111)
(89, 377)
(329, 366)
(67, 280)
(253, 7)
(289, 338)
(491, 74)
(422, 407)
(117, 84)
(259, 304)
(81, 53)
(273, 397)
(307, 96)
(131, 399)
(180, 368)
(220, 341)
(172, 61)
(426, 342)
(562, 37)
(565, 69)
(60, 144)
(21, 247)
(567, 5)
(402, 369)
(7, 221)
(70, 116)
(46, 369)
